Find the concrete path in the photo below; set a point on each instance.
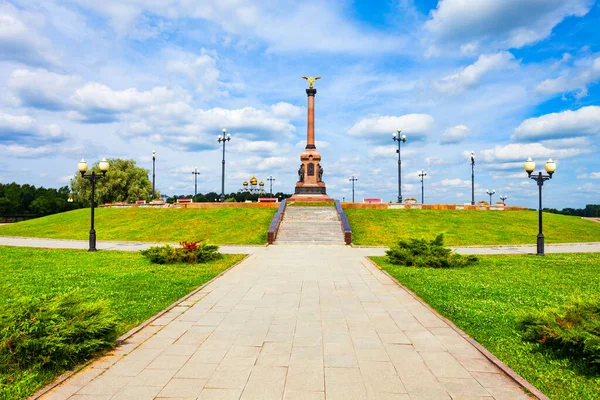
(282, 325)
(592, 247)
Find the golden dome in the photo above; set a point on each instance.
(245, 183)
(261, 183)
(253, 181)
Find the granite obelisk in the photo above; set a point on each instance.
(310, 185)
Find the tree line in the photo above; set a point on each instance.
(239, 197)
(29, 201)
(590, 211)
(124, 182)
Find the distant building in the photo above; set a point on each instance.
(372, 200)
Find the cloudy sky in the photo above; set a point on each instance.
(506, 79)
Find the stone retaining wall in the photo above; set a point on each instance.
(230, 205)
(387, 206)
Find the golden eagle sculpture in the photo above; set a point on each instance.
(311, 80)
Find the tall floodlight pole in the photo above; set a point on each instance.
(540, 179)
(271, 179)
(224, 138)
(153, 172)
(398, 138)
(422, 175)
(472, 178)
(196, 173)
(353, 179)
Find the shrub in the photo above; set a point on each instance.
(190, 252)
(575, 334)
(54, 332)
(423, 253)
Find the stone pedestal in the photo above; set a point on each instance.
(310, 186)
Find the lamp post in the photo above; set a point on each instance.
(422, 175)
(398, 138)
(223, 138)
(503, 198)
(83, 167)
(271, 179)
(540, 179)
(196, 173)
(153, 172)
(472, 178)
(353, 179)
(490, 194)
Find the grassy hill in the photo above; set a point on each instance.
(219, 226)
(372, 227)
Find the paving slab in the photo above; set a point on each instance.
(590, 247)
(330, 325)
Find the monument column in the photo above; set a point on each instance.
(310, 132)
(310, 185)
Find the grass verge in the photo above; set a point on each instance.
(487, 301)
(134, 288)
(217, 225)
(371, 227)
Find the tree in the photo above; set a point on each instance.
(124, 181)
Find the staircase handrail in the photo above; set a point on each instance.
(275, 222)
(345, 224)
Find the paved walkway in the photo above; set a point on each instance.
(592, 247)
(285, 326)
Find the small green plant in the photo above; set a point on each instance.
(575, 333)
(54, 331)
(190, 252)
(423, 253)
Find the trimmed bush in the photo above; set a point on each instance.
(54, 332)
(575, 333)
(190, 252)
(423, 253)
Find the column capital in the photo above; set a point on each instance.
(311, 92)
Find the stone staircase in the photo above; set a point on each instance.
(310, 225)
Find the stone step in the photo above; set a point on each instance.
(310, 225)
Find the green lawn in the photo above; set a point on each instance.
(372, 227)
(487, 300)
(134, 288)
(217, 225)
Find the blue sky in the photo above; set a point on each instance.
(507, 79)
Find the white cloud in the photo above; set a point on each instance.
(595, 175)
(509, 23)
(472, 75)
(453, 183)
(389, 151)
(520, 152)
(572, 80)
(202, 70)
(19, 42)
(181, 126)
(434, 161)
(281, 25)
(100, 98)
(582, 122)
(41, 88)
(455, 134)
(19, 151)
(287, 110)
(24, 129)
(261, 164)
(411, 124)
